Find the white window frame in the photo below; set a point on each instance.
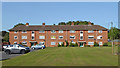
(81, 31)
(52, 31)
(41, 37)
(60, 43)
(60, 31)
(73, 42)
(99, 37)
(34, 37)
(41, 31)
(42, 43)
(24, 37)
(73, 38)
(90, 31)
(100, 31)
(72, 31)
(90, 36)
(24, 43)
(15, 38)
(100, 43)
(90, 43)
(24, 32)
(53, 43)
(15, 42)
(53, 37)
(60, 36)
(32, 31)
(80, 38)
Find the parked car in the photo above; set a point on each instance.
(4, 46)
(16, 48)
(38, 46)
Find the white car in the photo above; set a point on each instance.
(38, 46)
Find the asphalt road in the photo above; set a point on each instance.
(4, 56)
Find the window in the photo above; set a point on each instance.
(90, 43)
(81, 32)
(15, 31)
(72, 37)
(90, 31)
(24, 31)
(24, 37)
(73, 42)
(60, 37)
(53, 37)
(60, 43)
(42, 31)
(33, 32)
(60, 31)
(81, 37)
(24, 43)
(33, 37)
(72, 31)
(41, 43)
(52, 43)
(15, 37)
(53, 31)
(100, 43)
(15, 42)
(100, 31)
(99, 37)
(41, 37)
(90, 37)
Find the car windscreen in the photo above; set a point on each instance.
(20, 45)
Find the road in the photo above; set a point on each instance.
(4, 56)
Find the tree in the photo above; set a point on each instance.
(62, 23)
(114, 33)
(6, 37)
(18, 24)
(96, 44)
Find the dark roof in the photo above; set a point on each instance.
(58, 27)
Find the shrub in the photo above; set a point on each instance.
(105, 44)
(109, 44)
(86, 45)
(96, 44)
(76, 44)
(71, 44)
(63, 44)
(67, 44)
(59, 45)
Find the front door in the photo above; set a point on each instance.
(32, 43)
(81, 44)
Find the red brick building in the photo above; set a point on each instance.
(52, 35)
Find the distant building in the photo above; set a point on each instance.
(52, 35)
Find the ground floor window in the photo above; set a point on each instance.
(90, 43)
(100, 43)
(60, 43)
(15, 42)
(41, 43)
(52, 43)
(24, 43)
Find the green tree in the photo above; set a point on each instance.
(114, 33)
(18, 24)
(62, 23)
(6, 37)
(96, 44)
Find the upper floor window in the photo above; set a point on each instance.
(33, 37)
(72, 31)
(99, 37)
(53, 31)
(15, 31)
(24, 37)
(81, 32)
(41, 31)
(100, 43)
(53, 37)
(90, 31)
(24, 31)
(60, 37)
(90, 43)
(33, 32)
(52, 43)
(41, 37)
(72, 37)
(100, 31)
(15, 37)
(90, 37)
(60, 31)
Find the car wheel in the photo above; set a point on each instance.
(33, 48)
(8, 52)
(22, 52)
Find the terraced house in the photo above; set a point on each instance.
(52, 35)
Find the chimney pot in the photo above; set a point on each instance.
(27, 24)
(89, 23)
(72, 23)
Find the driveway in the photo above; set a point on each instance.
(4, 56)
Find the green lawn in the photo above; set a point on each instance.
(66, 56)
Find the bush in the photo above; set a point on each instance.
(67, 44)
(86, 45)
(76, 44)
(59, 45)
(105, 44)
(63, 44)
(96, 44)
(109, 44)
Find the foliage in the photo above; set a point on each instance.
(105, 44)
(18, 24)
(71, 44)
(75, 23)
(62, 44)
(6, 37)
(67, 44)
(114, 33)
(76, 44)
(59, 45)
(96, 44)
(86, 45)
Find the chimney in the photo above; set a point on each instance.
(72, 23)
(43, 23)
(27, 24)
(89, 23)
